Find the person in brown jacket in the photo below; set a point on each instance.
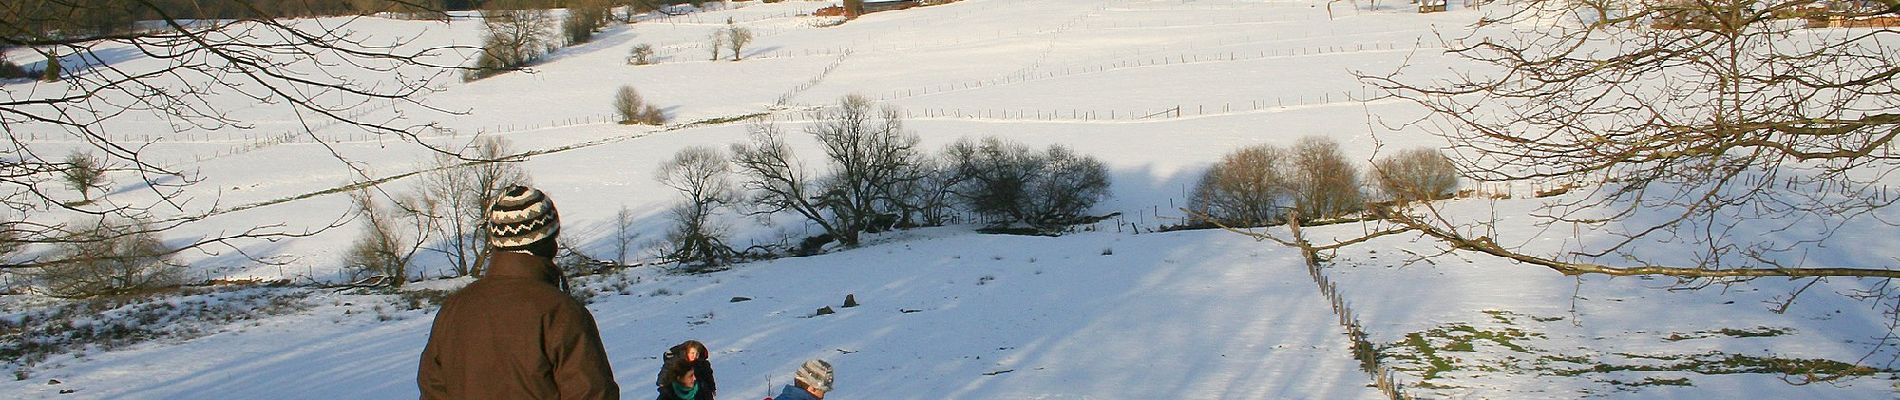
(513, 333)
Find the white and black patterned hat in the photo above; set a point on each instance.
(815, 374)
(520, 218)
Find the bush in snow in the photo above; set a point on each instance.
(717, 41)
(634, 110)
(102, 258)
(1416, 174)
(83, 172)
(107, 323)
(513, 39)
(387, 243)
(1009, 183)
(1248, 187)
(642, 54)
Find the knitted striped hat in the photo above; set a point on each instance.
(521, 217)
(815, 374)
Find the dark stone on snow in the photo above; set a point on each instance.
(826, 310)
(850, 301)
(52, 382)
(738, 299)
(68, 391)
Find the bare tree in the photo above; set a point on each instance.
(716, 41)
(1416, 174)
(994, 175)
(634, 109)
(1732, 120)
(702, 175)
(1741, 142)
(1248, 187)
(455, 196)
(84, 172)
(624, 235)
(871, 160)
(1325, 184)
(1066, 188)
(870, 154)
(738, 37)
(318, 72)
(775, 180)
(392, 235)
(513, 39)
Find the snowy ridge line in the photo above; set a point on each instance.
(1024, 76)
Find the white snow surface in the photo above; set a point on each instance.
(1107, 313)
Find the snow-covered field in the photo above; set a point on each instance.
(1158, 90)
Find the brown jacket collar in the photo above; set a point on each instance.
(505, 264)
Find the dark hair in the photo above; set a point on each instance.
(674, 369)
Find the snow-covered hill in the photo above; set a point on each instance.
(1158, 90)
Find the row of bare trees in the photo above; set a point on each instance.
(1266, 185)
(876, 177)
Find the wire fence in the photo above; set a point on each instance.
(1384, 377)
(1156, 113)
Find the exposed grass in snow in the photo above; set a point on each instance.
(36, 334)
(1449, 354)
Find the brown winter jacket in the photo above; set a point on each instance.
(514, 335)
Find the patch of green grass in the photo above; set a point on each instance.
(1719, 363)
(1503, 317)
(1653, 381)
(1760, 331)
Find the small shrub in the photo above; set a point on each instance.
(580, 24)
(110, 257)
(641, 54)
(385, 247)
(83, 172)
(717, 41)
(651, 115)
(419, 299)
(629, 105)
(1416, 174)
(634, 109)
